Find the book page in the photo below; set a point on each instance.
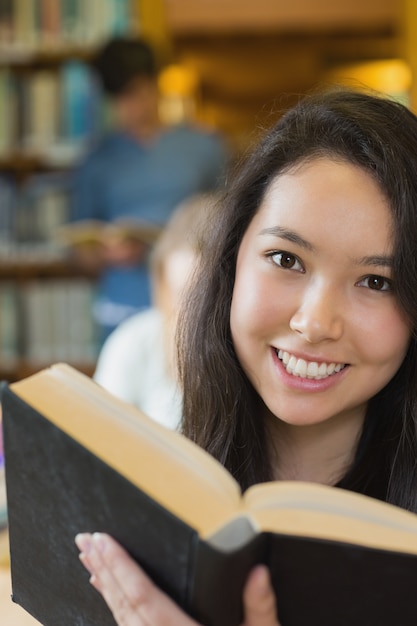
(163, 463)
(313, 510)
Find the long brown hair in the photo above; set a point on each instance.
(222, 412)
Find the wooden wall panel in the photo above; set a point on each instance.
(186, 16)
(246, 81)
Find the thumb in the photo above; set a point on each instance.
(259, 602)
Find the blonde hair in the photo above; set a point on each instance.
(185, 229)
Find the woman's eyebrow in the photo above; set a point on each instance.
(289, 235)
(377, 260)
(374, 260)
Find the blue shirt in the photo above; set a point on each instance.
(122, 178)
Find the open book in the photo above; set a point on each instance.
(96, 232)
(78, 459)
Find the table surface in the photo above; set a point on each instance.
(11, 614)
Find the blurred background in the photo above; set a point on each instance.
(229, 65)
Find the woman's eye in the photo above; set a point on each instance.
(377, 283)
(286, 261)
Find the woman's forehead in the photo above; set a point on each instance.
(324, 198)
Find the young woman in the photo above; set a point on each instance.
(298, 354)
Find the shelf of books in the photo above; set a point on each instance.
(27, 26)
(45, 316)
(45, 299)
(51, 109)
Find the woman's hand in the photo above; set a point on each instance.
(135, 601)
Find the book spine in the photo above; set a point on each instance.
(59, 332)
(37, 310)
(7, 113)
(82, 331)
(29, 25)
(71, 26)
(119, 17)
(19, 97)
(216, 594)
(96, 13)
(6, 23)
(45, 204)
(42, 113)
(24, 31)
(50, 14)
(9, 327)
(79, 102)
(7, 215)
(58, 322)
(52, 210)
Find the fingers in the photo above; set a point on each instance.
(131, 596)
(259, 601)
(135, 601)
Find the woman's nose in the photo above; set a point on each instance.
(319, 316)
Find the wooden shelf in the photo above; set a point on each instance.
(25, 56)
(26, 368)
(58, 157)
(23, 163)
(189, 16)
(29, 268)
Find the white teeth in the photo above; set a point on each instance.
(308, 369)
(312, 369)
(292, 363)
(284, 356)
(301, 368)
(322, 369)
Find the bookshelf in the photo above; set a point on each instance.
(45, 316)
(51, 108)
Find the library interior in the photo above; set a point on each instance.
(227, 68)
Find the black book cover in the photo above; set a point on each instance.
(56, 488)
(317, 582)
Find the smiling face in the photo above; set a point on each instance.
(314, 321)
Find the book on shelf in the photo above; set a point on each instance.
(98, 232)
(58, 321)
(40, 111)
(23, 21)
(42, 321)
(62, 107)
(9, 326)
(52, 24)
(6, 21)
(7, 111)
(8, 207)
(43, 206)
(55, 112)
(81, 102)
(78, 459)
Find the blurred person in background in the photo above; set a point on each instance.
(137, 361)
(139, 170)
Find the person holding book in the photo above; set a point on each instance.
(137, 361)
(139, 171)
(298, 349)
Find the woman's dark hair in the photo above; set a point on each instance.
(122, 60)
(222, 411)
